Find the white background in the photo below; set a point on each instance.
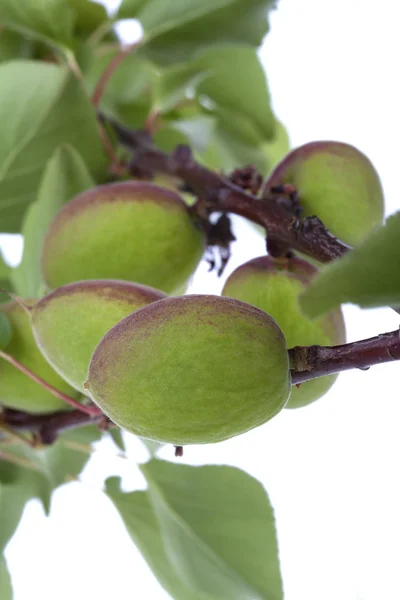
(331, 469)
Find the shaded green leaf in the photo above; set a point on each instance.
(217, 531)
(175, 31)
(4, 268)
(127, 96)
(117, 437)
(89, 16)
(278, 147)
(45, 468)
(198, 131)
(42, 107)
(64, 177)
(237, 82)
(5, 275)
(5, 331)
(129, 9)
(151, 446)
(168, 137)
(126, 84)
(368, 275)
(13, 45)
(48, 20)
(6, 592)
(65, 459)
(19, 482)
(173, 84)
(234, 143)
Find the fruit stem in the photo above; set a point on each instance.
(89, 410)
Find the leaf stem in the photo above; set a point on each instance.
(89, 410)
(109, 71)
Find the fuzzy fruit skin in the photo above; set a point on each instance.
(16, 389)
(191, 370)
(337, 183)
(69, 323)
(261, 283)
(133, 231)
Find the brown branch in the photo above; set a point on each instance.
(217, 194)
(316, 361)
(48, 427)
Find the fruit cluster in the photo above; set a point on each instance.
(182, 369)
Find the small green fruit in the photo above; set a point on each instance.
(275, 290)
(16, 389)
(337, 183)
(69, 323)
(191, 370)
(134, 231)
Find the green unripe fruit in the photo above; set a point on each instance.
(133, 231)
(16, 389)
(191, 370)
(337, 183)
(69, 323)
(275, 290)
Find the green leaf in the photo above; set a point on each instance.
(278, 147)
(5, 331)
(247, 95)
(65, 459)
(128, 88)
(6, 592)
(207, 532)
(42, 107)
(368, 275)
(45, 468)
(172, 85)
(5, 274)
(234, 144)
(141, 522)
(65, 176)
(116, 434)
(48, 20)
(13, 45)
(198, 131)
(18, 484)
(129, 9)
(175, 31)
(151, 446)
(89, 16)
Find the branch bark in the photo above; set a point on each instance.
(48, 427)
(217, 194)
(316, 361)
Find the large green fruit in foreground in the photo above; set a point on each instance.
(337, 183)
(276, 290)
(191, 370)
(134, 231)
(69, 323)
(16, 389)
